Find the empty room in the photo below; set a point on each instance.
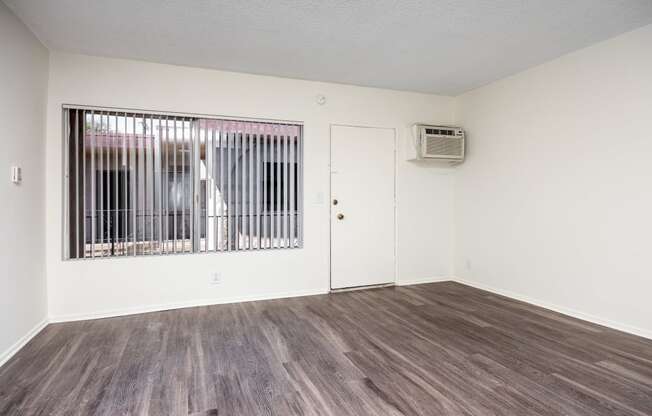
(326, 208)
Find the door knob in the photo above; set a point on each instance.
(334, 201)
(340, 216)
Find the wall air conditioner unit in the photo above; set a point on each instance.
(437, 143)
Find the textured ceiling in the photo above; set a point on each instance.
(435, 46)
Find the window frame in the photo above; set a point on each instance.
(197, 212)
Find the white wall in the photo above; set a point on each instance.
(554, 203)
(552, 206)
(23, 90)
(92, 288)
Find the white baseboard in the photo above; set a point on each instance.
(561, 309)
(407, 282)
(178, 305)
(6, 355)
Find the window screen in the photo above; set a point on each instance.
(145, 184)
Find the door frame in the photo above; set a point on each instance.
(330, 203)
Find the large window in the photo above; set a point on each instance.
(144, 184)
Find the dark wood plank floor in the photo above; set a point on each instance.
(433, 349)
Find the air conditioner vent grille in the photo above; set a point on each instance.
(442, 132)
(443, 146)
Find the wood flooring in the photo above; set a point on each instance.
(432, 349)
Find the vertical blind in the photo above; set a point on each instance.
(145, 184)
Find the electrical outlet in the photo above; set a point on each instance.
(216, 279)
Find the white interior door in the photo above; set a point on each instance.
(362, 206)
